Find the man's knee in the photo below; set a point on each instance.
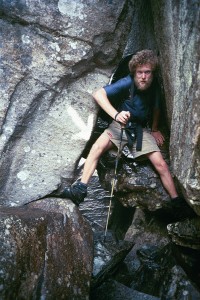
(158, 162)
(161, 166)
(97, 149)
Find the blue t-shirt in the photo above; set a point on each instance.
(143, 102)
(119, 91)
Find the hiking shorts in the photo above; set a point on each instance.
(148, 141)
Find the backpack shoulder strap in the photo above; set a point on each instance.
(132, 89)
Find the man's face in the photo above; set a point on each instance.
(143, 77)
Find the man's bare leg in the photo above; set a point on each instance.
(101, 145)
(163, 170)
(78, 190)
(178, 206)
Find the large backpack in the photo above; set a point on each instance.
(122, 69)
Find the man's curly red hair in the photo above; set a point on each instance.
(142, 58)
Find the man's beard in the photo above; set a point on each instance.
(143, 85)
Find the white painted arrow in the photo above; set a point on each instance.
(85, 129)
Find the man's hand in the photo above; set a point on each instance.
(158, 137)
(123, 117)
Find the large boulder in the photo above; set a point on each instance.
(137, 183)
(46, 251)
(186, 233)
(49, 51)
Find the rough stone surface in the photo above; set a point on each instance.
(153, 266)
(157, 265)
(178, 37)
(49, 52)
(146, 230)
(186, 233)
(108, 254)
(142, 34)
(46, 252)
(137, 184)
(178, 286)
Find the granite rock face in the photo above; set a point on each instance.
(49, 52)
(186, 233)
(46, 251)
(178, 37)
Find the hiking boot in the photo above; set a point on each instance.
(76, 192)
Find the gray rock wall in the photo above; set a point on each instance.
(177, 34)
(49, 53)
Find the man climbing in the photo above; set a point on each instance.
(139, 107)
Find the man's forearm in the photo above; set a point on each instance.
(102, 100)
